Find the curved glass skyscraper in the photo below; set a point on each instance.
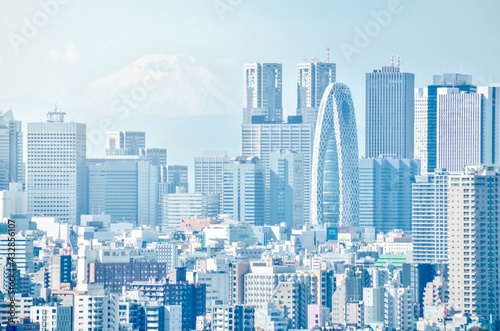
(335, 186)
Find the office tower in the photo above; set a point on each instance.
(243, 196)
(95, 311)
(334, 184)
(263, 92)
(209, 172)
(389, 113)
(430, 218)
(12, 168)
(263, 139)
(179, 206)
(286, 188)
(125, 187)
(56, 182)
(312, 80)
(14, 201)
(156, 156)
(125, 142)
(426, 115)
(464, 125)
(385, 193)
(167, 253)
(474, 229)
(177, 179)
(491, 102)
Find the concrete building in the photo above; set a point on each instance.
(270, 318)
(95, 311)
(373, 299)
(262, 92)
(389, 113)
(24, 251)
(13, 201)
(56, 182)
(334, 184)
(385, 193)
(178, 206)
(398, 308)
(430, 218)
(209, 172)
(53, 317)
(177, 179)
(232, 317)
(474, 228)
(156, 156)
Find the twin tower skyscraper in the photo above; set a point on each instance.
(323, 131)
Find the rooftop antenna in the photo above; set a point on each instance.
(392, 60)
(399, 62)
(313, 59)
(305, 60)
(327, 55)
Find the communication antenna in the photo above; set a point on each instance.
(327, 55)
(392, 60)
(398, 61)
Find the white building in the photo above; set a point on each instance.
(270, 318)
(430, 218)
(56, 168)
(12, 167)
(217, 286)
(167, 253)
(178, 206)
(209, 172)
(24, 251)
(474, 229)
(95, 311)
(52, 318)
(398, 308)
(125, 142)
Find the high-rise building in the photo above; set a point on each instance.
(53, 317)
(263, 92)
(334, 184)
(398, 308)
(262, 140)
(95, 311)
(177, 179)
(465, 126)
(426, 115)
(125, 187)
(286, 188)
(60, 271)
(12, 168)
(312, 80)
(156, 156)
(233, 317)
(385, 193)
(389, 113)
(430, 218)
(13, 201)
(125, 142)
(57, 173)
(243, 196)
(474, 252)
(209, 172)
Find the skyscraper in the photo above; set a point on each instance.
(389, 113)
(474, 252)
(312, 80)
(263, 139)
(426, 114)
(125, 187)
(157, 156)
(430, 218)
(243, 196)
(385, 193)
(335, 186)
(177, 179)
(12, 167)
(209, 172)
(125, 142)
(465, 128)
(286, 188)
(56, 182)
(263, 92)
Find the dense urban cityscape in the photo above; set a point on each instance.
(302, 229)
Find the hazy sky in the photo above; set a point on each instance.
(78, 42)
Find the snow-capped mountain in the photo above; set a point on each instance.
(167, 85)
